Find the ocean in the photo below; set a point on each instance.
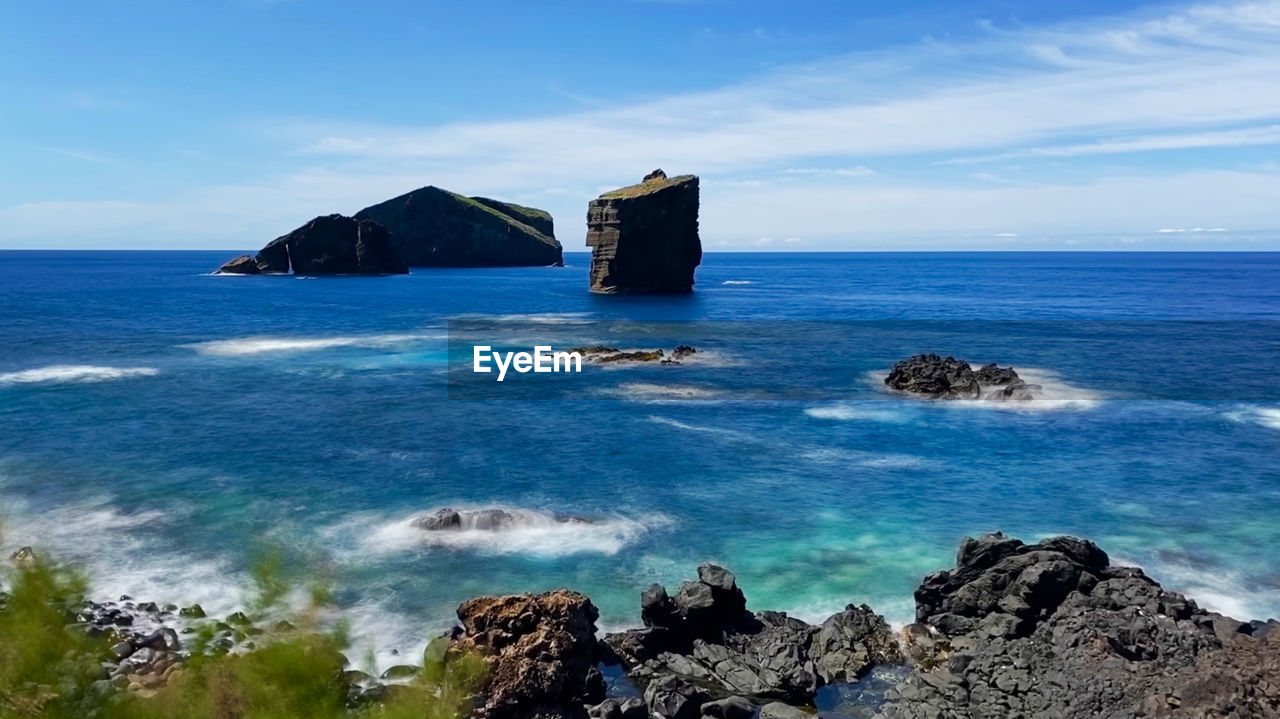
(161, 427)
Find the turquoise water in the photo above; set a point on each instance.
(161, 426)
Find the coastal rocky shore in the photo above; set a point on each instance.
(1013, 630)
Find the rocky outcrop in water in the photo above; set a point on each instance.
(644, 238)
(703, 645)
(605, 354)
(541, 650)
(431, 227)
(931, 375)
(329, 245)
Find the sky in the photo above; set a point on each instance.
(850, 125)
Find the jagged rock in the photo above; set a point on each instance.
(671, 697)
(644, 238)
(541, 651)
(24, 557)
(704, 636)
(850, 643)
(1053, 630)
(329, 245)
(431, 227)
(932, 375)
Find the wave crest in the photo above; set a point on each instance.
(511, 530)
(59, 374)
(247, 346)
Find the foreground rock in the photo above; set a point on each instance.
(644, 238)
(932, 375)
(541, 650)
(702, 646)
(330, 245)
(1053, 630)
(431, 227)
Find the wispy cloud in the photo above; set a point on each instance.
(1193, 78)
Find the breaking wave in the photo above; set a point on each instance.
(526, 531)
(248, 346)
(1266, 416)
(58, 374)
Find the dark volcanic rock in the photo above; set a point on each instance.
(644, 238)
(541, 650)
(940, 377)
(431, 227)
(329, 245)
(1052, 630)
(486, 520)
(242, 265)
(704, 637)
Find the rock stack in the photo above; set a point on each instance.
(644, 238)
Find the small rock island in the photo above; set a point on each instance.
(644, 238)
(428, 227)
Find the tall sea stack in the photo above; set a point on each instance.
(644, 238)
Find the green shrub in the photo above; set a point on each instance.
(50, 669)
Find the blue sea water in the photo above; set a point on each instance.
(161, 426)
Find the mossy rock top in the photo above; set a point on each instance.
(647, 188)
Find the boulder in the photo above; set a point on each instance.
(329, 245)
(541, 651)
(431, 227)
(644, 238)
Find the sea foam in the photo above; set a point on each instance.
(1266, 416)
(531, 532)
(58, 374)
(248, 346)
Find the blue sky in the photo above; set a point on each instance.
(815, 125)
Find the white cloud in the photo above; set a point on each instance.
(1200, 77)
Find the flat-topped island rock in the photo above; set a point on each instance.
(644, 238)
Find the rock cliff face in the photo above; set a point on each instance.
(431, 227)
(330, 245)
(644, 238)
